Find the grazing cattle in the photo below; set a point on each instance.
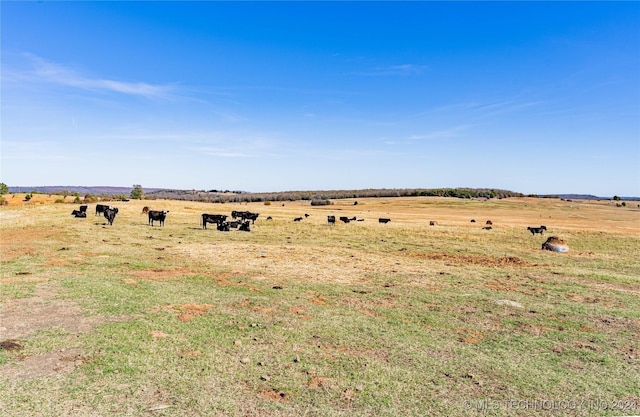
(297, 219)
(306, 215)
(110, 214)
(487, 228)
(145, 209)
(489, 222)
(78, 213)
(245, 215)
(251, 216)
(269, 218)
(360, 220)
(100, 208)
(473, 220)
(155, 215)
(535, 230)
(223, 226)
(432, 223)
(331, 219)
(212, 218)
(83, 209)
(383, 220)
(345, 219)
(244, 226)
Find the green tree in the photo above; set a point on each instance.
(137, 192)
(616, 198)
(3, 188)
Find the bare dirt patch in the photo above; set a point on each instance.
(17, 243)
(480, 260)
(186, 312)
(157, 274)
(21, 318)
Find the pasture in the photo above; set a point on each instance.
(308, 319)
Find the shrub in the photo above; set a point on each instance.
(321, 202)
(267, 203)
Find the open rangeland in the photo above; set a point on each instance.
(310, 319)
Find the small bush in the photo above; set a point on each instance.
(267, 203)
(59, 201)
(321, 202)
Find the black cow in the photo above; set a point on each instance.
(250, 216)
(212, 218)
(245, 226)
(489, 222)
(83, 209)
(331, 219)
(297, 219)
(487, 228)
(432, 223)
(223, 226)
(383, 220)
(306, 215)
(345, 219)
(100, 208)
(234, 224)
(236, 214)
(110, 214)
(78, 213)
(535, 230)
(245, 215)
(155, 215)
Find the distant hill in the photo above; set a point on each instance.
(244, 196)
(82, 190)
(585, 197)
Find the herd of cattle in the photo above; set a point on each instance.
(242, 220)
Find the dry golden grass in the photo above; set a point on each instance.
(298, 318)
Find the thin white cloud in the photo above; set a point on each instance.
(46, 71)
(483, 109)
(404, 70)
(453, 132)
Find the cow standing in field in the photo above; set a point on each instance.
(155, 215)
(331, 219)
(383, 220)
(110, 214)
(83, 209)
(100, 208)
(212, 218)
(535, 230)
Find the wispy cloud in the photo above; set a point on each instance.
(403, 70)
(453, 132)
(483, 109)
(45, 71)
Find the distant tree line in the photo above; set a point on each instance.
(317, 197)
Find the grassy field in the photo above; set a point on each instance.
(307, 319)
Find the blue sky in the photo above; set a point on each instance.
(533, 97)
